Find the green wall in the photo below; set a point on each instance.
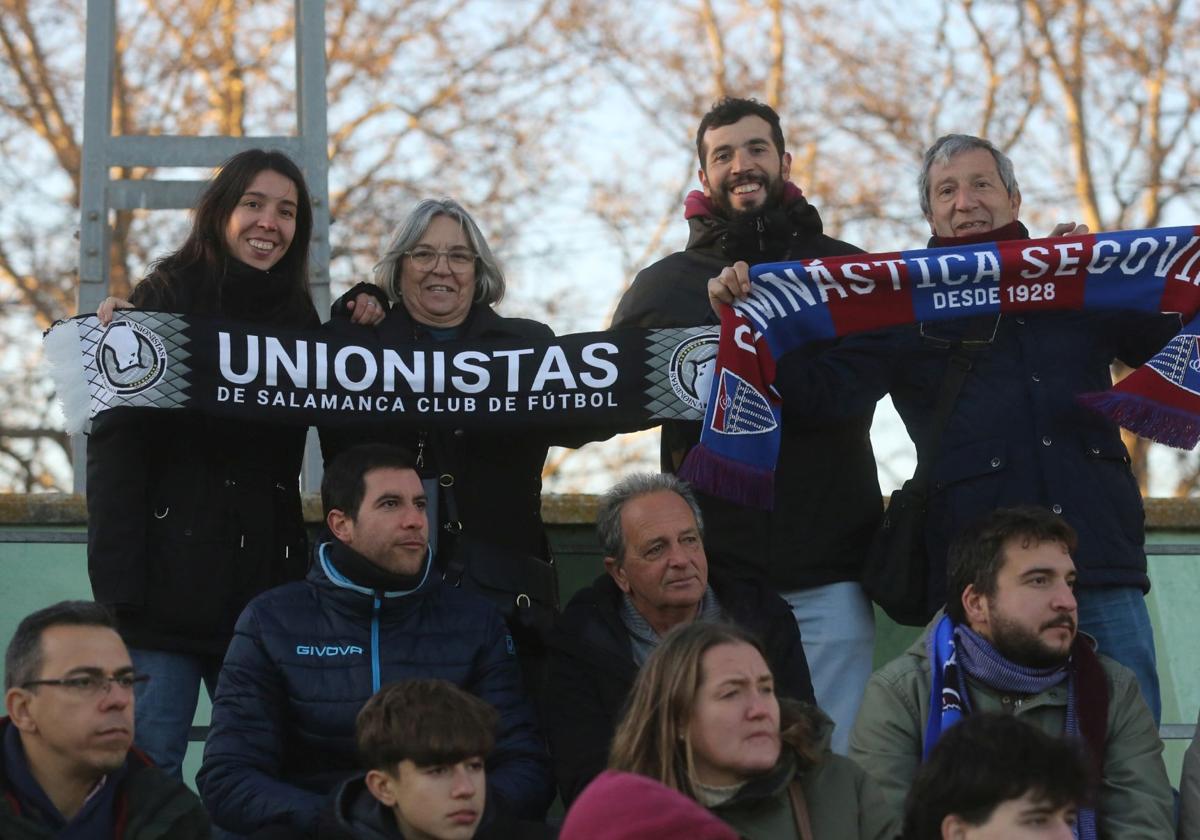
(36, 573)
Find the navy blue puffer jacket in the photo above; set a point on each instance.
(304, 659)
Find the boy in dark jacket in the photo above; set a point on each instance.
(425, 743)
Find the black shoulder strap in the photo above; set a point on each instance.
(955, 375)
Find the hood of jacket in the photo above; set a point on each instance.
(361, 815)
(743, 237)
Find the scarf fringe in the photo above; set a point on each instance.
(63, 351)
(1146, 417)
(732, 480)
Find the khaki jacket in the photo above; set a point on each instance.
(1189, 791)
(1134, 800)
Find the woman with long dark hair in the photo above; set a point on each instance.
(191, 516)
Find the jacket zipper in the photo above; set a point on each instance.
(375, 677)
(762, 242)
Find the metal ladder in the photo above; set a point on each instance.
(101, 150)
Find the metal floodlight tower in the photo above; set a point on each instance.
(102, 151)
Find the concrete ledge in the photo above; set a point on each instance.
(557, 509)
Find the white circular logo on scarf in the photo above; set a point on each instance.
(131, 357)
(693, 363)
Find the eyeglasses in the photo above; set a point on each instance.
(93, 685)
(459, 259)
(976, 338)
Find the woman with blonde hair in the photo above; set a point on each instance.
(704, 720)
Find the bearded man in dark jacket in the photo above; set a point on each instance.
(810, 547)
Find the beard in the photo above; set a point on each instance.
(723, 197)
(1019, 645)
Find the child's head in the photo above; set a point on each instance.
(995, 776)
(424, 743)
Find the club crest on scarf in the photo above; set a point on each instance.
(740, 408)
(691, 370)
(131, 357)
(1179, 362)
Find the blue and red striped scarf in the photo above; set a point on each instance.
(794, 303)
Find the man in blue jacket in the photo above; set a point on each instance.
(306, 656)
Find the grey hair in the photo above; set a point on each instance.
(951, 145)
(489, 278)
(23, 658)
(608, 520)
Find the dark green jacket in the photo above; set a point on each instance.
(843, 802)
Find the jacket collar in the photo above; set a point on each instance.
(709, 226)
(325, 572)
(770, 784)
(360, 815)
(481, 319)
(1005, 233)
(21, 791)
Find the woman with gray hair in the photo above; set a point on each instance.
(438, 281)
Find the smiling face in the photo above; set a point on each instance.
(438, 802)
(743, 171)
(967, 196)
(66, 731)
(1032, 617)
(260, 229)
(664, 570)
(439, 296)
(390, 527)
(734, 727)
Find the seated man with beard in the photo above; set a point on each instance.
(1008, 643)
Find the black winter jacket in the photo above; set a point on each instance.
(150, 805)
(304, 659)
(827, 500)
(592, 668)
(191, 516)
(497, 474)
(1016, 434)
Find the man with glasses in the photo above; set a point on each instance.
(69, 767)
